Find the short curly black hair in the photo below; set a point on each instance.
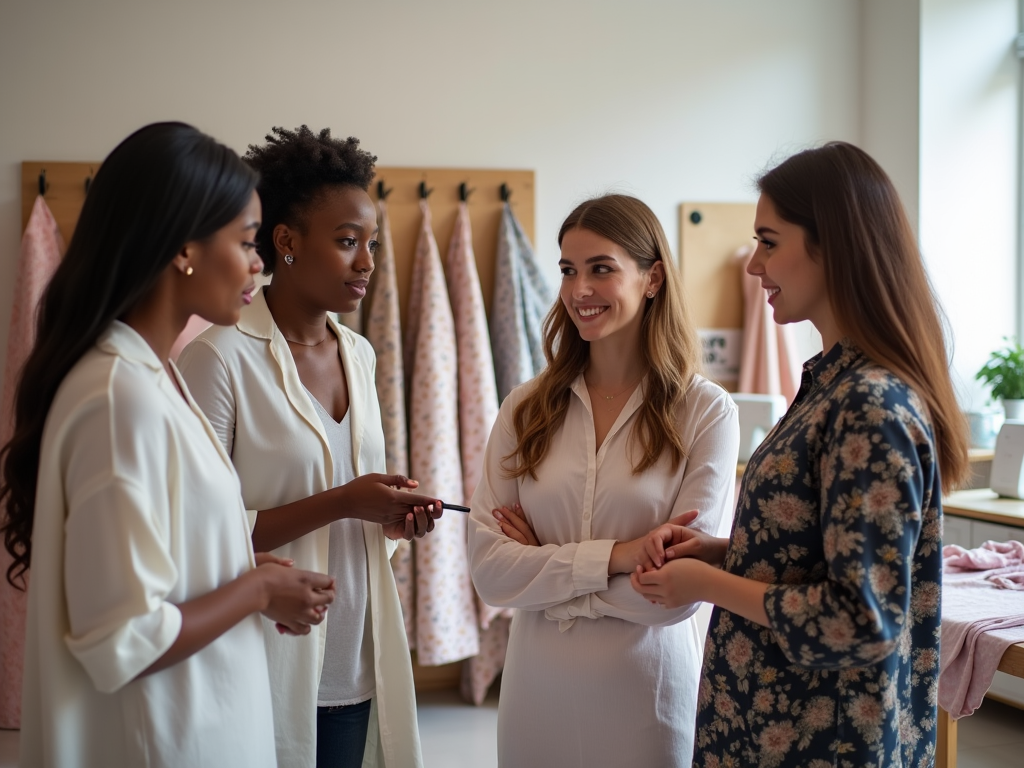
(295, 167)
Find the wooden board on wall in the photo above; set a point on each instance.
(485, 208)
(66, 193)
(710, 234)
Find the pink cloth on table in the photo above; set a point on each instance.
(979, 622)
(41, 251)
(446, 622)
(769, 364)
(991, 554)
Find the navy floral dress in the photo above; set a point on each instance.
(840, 513)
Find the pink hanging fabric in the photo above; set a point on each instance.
(478, 394)
(446, 622)
(769, 364)
(384, 332)
(41, 250)
(478, 410)
(193, 328)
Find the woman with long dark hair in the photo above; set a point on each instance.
(143, 642)
(824, 647)
(618, 435)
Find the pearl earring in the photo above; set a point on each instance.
(188, 271)
(289, 259)
(650, 294)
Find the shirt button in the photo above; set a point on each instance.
(586, 515)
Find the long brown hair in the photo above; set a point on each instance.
(669, 346)
(875, 278)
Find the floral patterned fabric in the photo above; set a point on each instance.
(41, 250)
(840, 513)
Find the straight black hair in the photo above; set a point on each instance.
(166, 185)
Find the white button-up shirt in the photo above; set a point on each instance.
(595, 674)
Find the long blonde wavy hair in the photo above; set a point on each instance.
(669, 346)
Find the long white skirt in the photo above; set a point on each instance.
(603, 694)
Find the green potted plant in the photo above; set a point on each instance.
(1004, 373)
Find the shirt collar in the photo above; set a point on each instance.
(824, 367)
(124, 341)
(255, 320)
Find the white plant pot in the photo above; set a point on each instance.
(1014, 410)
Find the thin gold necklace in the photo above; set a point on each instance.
(292, 341)
(612, 397)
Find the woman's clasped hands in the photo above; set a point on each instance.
(680, 558)
(295, 600)
(667, 566)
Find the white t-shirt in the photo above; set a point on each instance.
(347, 676)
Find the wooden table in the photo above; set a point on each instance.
(1012, 663)
(985, 504)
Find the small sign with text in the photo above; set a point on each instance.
(722, 350)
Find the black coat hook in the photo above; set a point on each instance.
(465, 192)
(506, 193)
(43, 184)
(382, 193)
(424, 192)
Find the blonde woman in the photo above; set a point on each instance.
(617, 436)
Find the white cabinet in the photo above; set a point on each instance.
(973, 533)
(956, 530)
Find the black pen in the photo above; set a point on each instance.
(454, 507)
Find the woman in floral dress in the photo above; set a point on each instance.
(823, 649)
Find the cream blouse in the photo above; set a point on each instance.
(247, 384)
(138, 509)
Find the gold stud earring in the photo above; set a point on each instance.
(188, 271)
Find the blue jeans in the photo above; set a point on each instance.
(341, 735)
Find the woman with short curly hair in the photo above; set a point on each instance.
(291, 395)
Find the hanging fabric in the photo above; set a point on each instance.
(769, 364)
(478, 410)
(478, 394)
(384, 332)
(446, 626)
(41, 251)
(522, 298)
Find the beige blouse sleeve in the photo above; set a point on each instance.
(119, 572)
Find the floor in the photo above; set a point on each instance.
(456, 735)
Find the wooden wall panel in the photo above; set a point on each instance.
(66, 193)
(485, 207)
(709, 236)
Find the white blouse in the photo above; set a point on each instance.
(246, 381)
(138, 509)
(591, 664)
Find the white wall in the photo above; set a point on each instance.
(890, 92)
(969, 168)
(670, 100)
